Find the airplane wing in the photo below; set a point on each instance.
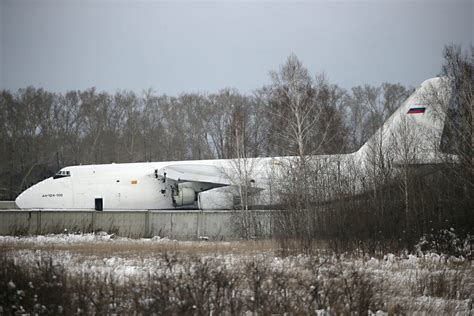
(195, 173)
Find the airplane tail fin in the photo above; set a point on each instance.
(413, 133)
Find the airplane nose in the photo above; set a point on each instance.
(47, 194)
(29, 197)
(20, 200)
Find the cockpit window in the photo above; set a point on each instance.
(62, 174)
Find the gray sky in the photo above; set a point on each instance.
(191, 46)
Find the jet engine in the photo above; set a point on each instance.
(183, 195)
(222, 198)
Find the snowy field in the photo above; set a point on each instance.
(104, 274)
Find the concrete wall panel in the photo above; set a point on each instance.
(18, 223)
(123, 223)
(64, 221)
(217, 225)
(160, 224)
(7, 205)
(184, 225)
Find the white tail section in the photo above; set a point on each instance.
(412, 134)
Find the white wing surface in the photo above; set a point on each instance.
(195, 173)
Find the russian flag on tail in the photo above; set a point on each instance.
(417, 110)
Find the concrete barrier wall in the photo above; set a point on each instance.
(185, 225)
(7, 205)
(18, 223)
(124, 223)
(215, 225)
(59, 222)
(176, 225)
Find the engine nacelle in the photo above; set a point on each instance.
(183, 196)
(217, 199)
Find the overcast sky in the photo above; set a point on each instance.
(197, 46)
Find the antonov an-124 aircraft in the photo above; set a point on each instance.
(211, 184)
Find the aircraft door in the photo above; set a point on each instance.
(99, 204)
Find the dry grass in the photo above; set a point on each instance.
(145, 247)
(202, 277)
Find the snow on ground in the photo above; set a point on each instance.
(426, 282)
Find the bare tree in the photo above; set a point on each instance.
(454, 102)
(306, 120)
(404, 144)
(459, 69)
(293, 105)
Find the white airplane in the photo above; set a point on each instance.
(212, 184)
